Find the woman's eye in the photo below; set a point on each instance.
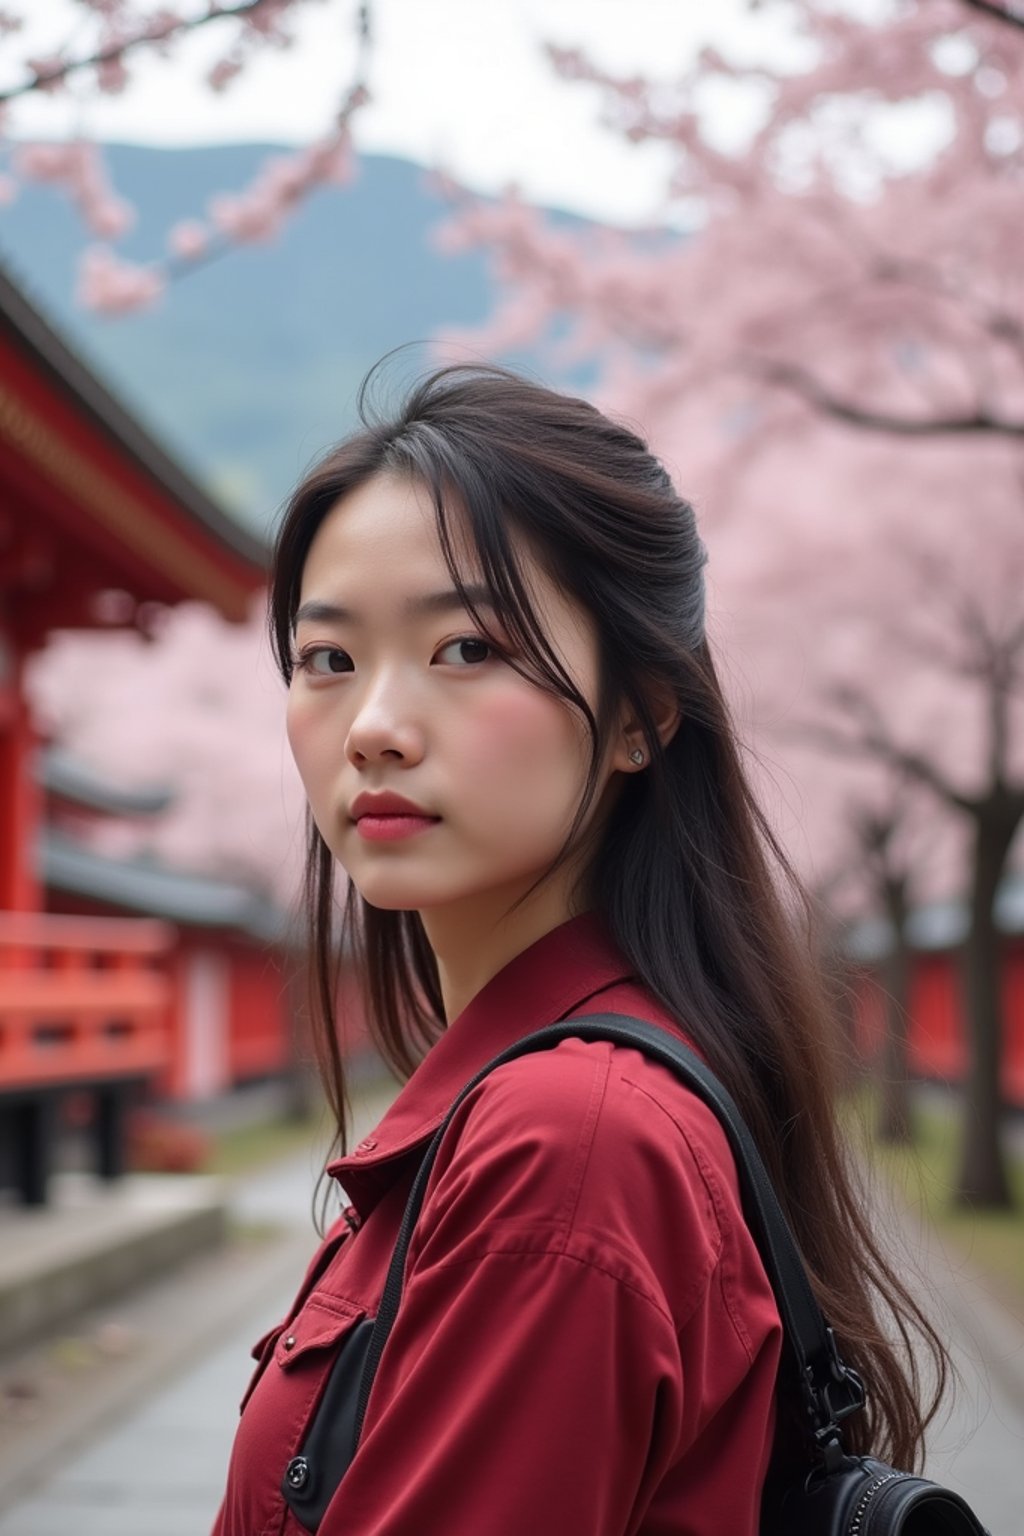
(466, 651)
(324, 661)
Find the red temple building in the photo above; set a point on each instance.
(225, 1020)
(936, 1039)
(113, 977)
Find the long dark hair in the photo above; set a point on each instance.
(688, 874)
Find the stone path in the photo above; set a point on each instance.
(976, 1446)
(159, 1474)
(159, 1469)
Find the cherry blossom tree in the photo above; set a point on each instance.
(99, 59)
(197, 707)
(112, 35)
(879, 854)
(981, 648)
(878, 838)
(890, 301)
(909, 641)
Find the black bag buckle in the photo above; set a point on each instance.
(831, 1401)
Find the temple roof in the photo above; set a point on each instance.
(937, 925)
(66, 368)
(104, 502)
(60, 773)
(138, 885)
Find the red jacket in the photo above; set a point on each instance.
(587, 1343)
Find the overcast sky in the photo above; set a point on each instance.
(463, 84)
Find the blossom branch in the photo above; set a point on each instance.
(112, 284)
(108, 283)
(159, 29)
(790, 376)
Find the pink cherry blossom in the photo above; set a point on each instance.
(160, 714)
(79, 167)
(162, 24)
(224, 72)
(189, 240)
(112, 76)
(48, 71)
(100, 56)
(108, 283)
(252, 216)
(280, 184)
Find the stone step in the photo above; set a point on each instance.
(96, 1240)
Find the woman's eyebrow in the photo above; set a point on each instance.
(316, 611)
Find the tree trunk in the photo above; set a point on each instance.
(300, 1095)
(983, 1177)
(894, 1124)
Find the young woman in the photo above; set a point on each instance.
(489, 611)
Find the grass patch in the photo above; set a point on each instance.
(925, 1175)
(250, 1231)
(246, 1148)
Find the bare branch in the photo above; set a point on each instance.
(1014, 16)
(950, 626)
(789, 376)
(866, 734)
(1015, 643)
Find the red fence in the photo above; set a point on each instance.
(82, 999)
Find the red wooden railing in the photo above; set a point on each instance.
(82, 999)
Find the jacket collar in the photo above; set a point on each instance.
(552, 979)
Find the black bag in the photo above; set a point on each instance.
(835, 1494)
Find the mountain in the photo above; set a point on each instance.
(250, 366)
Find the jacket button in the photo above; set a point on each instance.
(289, 1342)
(296, 1473)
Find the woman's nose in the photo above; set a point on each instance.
(385, 728)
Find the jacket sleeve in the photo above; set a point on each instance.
(538, 1378)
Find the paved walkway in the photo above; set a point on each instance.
(977, 1444)
(161, 1472)
(157, 1467)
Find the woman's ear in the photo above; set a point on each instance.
(632, 748)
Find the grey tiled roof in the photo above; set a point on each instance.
(21, 319)
(937, 925)
(60, 773)
(153, 889)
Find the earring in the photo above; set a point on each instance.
(637, 756)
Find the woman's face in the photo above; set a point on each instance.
(397, 693)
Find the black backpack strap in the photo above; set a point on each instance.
(831, 1390)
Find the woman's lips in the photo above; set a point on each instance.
(389, 828)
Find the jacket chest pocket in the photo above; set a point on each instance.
(264, 1348)
(261, 1353)
(301, 1405)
